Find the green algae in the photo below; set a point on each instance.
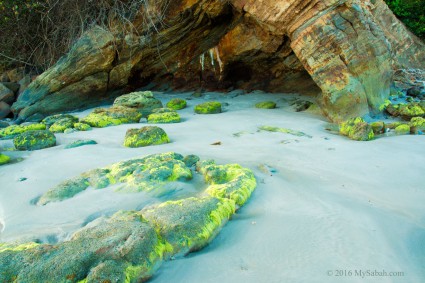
(163, 118)
(146, 136)
(4, 159)
(357, 129)
(211, 107)
(34, 140)
(177, 104)
(143, 101)
(417, 125)
(402, 130)
(14, 130)
(113, 116)
(82, 127)
(283, 130)
(266, 105)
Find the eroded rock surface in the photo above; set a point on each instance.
(131, 245)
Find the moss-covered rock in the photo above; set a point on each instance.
(113, 116)
(163, 118)
(266, 105)
(14, 130)
(228, 181)
(402, 130)
(189, 224)
(50, 120)
(4, 159)
(82, 127)
(211, 107)
(177, 104)
(80, 143)
(378, 127)
(62, 124)
(417, 125)
(357, 129)
(408, 111)
(131, 245)
(149, 135)
(143, 101)
(141, 174)
(34, 140)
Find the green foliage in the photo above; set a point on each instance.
(411, 13)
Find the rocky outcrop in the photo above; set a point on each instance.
(348, 48)
(130, 246)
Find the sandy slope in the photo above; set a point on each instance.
(328, 204)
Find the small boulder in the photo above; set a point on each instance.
(14, 130)
(378, 127)
(113, 116)
(177, 104)
(357, 129)
(143, 101)
(6, 94)
(34, 140)
(82, 127)
(415, 91)
(4, 109)
(50, 120)
(4, 159)
(402, 130)
(149, 135)
(266, 105)
(211, 107)
(164, 118)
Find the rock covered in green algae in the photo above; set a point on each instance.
(211, 107)
(190, 224)
(357, 129)
(406, 110)
(63, 124)
(266, 105)
(417, 125)
(283, 130)
(4, 159)
(149, 135)
(143, 101)
(402, 130)
(82, 127)
(50, 120)
(126, 242)
(131, 245)
(141, 174)
(177, 104)
(34, 140)
(378, 127)
(164, 117)
(14, 130)
(80, 143)
(116, 115)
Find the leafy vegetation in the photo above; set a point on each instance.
(411, 13)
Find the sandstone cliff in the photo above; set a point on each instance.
(347, 48)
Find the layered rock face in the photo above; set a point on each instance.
(347, 48)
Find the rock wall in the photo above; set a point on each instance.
(348, 48)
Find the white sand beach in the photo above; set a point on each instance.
(325, 205)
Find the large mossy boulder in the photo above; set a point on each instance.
(143, 101)
(34, 140)
(406, 111)
(357, 129)
(116, 115)
(149, 135)
(402, 130)
(177, 104)
(12, 131)
(417, 125)
(210, 107)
